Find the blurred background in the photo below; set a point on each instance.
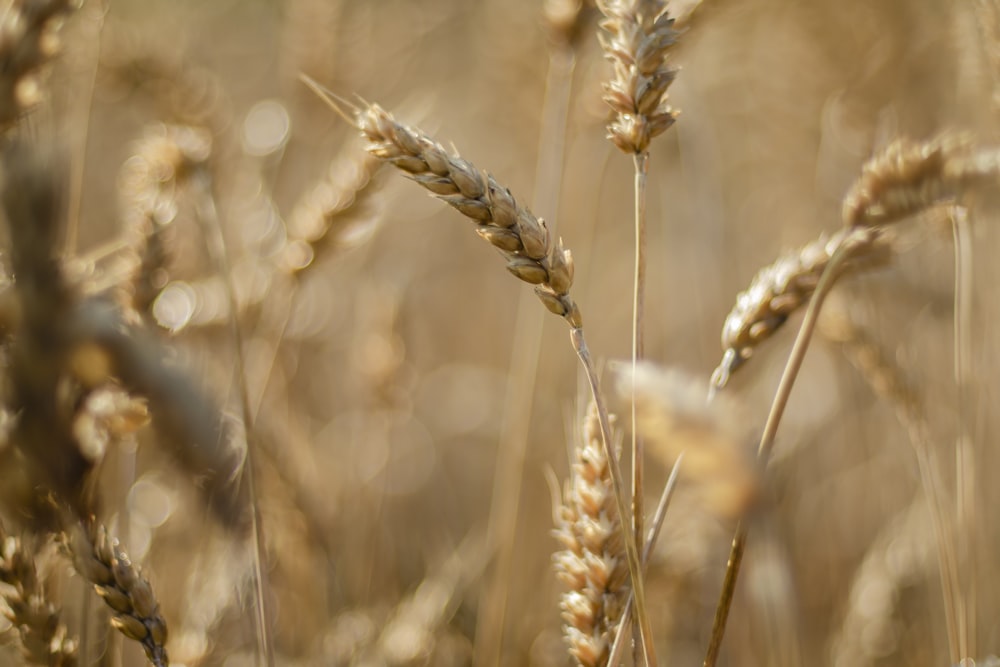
(406, 436)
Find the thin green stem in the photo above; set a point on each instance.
(618, 485)
(778, 405)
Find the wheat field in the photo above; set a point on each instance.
(267, 399)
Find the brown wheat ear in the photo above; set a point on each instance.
(784, 287)
(521, 238)
(102, 562)
(909, 176)
(43, 636)
(636, 36)
(592, 563)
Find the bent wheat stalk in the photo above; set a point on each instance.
(524, 242)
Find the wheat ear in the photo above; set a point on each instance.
(29, 37)
(101, 561)
(888, 381)
(522, 239)
(784, 287)
(43, 636)
(909, 176)
(150, 180)
(636, 36)
(592, 563)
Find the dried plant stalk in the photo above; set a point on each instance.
(101, 561)
(29, 36)
(150, 181)
(908, 177)
(44, 640)
(636, 36)
(784, 287)
(564, 20)
(592, 563)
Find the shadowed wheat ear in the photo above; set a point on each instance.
(101, 561)
(522, 239)
(636, 36)
(29, 36)
(909, 176)
(43, 635)
(592, 563)
(784, 287)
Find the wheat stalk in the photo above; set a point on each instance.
(784, 287)
(101, 561)
(521, 238)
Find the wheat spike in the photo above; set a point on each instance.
(101, 561)
(909, 176)
(43, 636)
(782, 288)
(636, 35)
(150, 181)
(592, 563)
(523, 239)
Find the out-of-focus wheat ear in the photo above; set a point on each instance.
(29, 38)
(909, 176)
(889, 382)
(136, 613)
(149, 184)
(636, 36)
(784, 287)
(322, 217)
(592, 561)
(675, 416)
(532, 255)
(900, 558)
(32, 198)
(43, 636)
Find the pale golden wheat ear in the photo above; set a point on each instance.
(592, 563)
(908, 176)
(636, 35)
(785, 287)
(676, 418)
(43, 636)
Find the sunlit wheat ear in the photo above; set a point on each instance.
(784, 287)
(29, 37)
(522, 239)
(42, 634)
(675, 416)
(908, 177)
(636, 36)
(592, 563)
(136, 612)
(150, 183)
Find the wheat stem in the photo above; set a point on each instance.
(641, 161)
(792, 366)
(618, 484)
